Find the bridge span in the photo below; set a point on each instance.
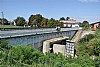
(37, 37)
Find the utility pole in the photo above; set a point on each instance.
(2, 19)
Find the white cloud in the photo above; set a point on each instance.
(89, 0)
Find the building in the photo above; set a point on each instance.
(95, 25)
(70, 23)
(14, 23)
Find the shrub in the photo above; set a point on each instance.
(87, 38)
(96, 47)
(3, 43)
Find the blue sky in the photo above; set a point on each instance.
(78, 9)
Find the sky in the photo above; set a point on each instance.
(79, 10)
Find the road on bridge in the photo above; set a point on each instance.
(12, 33)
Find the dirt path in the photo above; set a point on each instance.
(80, 34)
(87, 32)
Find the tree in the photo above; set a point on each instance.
(44, 22)
(80, 24)
(51, 22)
(34, 23)
(57, 23)
(20, 21)
(67, 18)
(4, 21)
(38, 17)
(85, 24)
(62, 18)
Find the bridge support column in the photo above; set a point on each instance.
(46, 46)
(69, 48)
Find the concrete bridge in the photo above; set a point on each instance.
(38, 37)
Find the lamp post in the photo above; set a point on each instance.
(2, 19)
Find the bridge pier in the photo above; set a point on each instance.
(48, 45)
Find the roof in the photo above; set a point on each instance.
(69, 21)
(94, 23)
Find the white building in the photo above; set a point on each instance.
(14, 23)
(70, 23)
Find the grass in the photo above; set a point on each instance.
(10, 26)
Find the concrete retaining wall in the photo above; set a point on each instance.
(58, 48)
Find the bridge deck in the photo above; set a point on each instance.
(15, 33)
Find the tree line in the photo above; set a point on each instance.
(40, 21)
